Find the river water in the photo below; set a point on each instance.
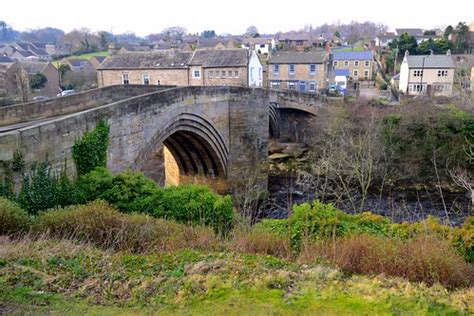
(414, 205)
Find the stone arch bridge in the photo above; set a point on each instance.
(215, 134)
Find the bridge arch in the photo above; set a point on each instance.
(195, 144)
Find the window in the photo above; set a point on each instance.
(356, 73)
(275, 84)
(312, 87)
(291, 69)
(211, 73)
(312, 70)
(335, 63)
(125, 79)
(146, 79)
(223, 74)
(366, 74)
(416, 88)
(442, 73)
(197, 74)
(367, 63)
(346, 63)
(259, 74)
(356, 63)
(236, 74)
(417, 73)
(291, 86)
(229, 74)
(276, 69)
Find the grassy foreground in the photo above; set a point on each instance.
(61, 277)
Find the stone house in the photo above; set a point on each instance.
(361, 65)
(262, 45)
(207, 67)
(427, 74)
(227, 67)
(13, 79)
(302, 71)
(382, 41)
(299, 42)
(166, 67)
(78, 64)
(51, 87)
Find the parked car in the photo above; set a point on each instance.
(66, 92)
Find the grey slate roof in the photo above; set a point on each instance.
(297, 58)
(5, 59)
(411, 32)
(220, 58)
(365, 55)
(430, 61)
(78, 63)
(147, 60)
(39, 51)
(294, 37)
(24, 46)
(33, 67)
(100, 59)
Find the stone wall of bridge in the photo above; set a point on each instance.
(227, 129)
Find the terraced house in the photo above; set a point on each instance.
(203, 67)
(168, 67)
(301, 71)
(427, 74)
(360, 64)
(227, 67)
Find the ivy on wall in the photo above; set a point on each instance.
(90, 151)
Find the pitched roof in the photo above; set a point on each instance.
(39, 51)
(411, 32)
(257, 40)
(297, 58)
(430, 61)
(33, 67)
(78, 63)
(365, 55)
(136, 48)
(220, 58)
(24, 53)
(5, 59)
(147, 60)
(100, 59)
(387, 35)
(294, 37)
(23, 46)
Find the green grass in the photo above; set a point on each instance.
(65, 278)
(83, 56)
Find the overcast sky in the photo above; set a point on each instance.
(145, 17)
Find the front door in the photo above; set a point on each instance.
(302, 86)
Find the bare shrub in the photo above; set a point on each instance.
(262, 243)
(423, 259)
(100, 224)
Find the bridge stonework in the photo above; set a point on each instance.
(215, 131)
(217, 135)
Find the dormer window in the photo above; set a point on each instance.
(197, 74)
